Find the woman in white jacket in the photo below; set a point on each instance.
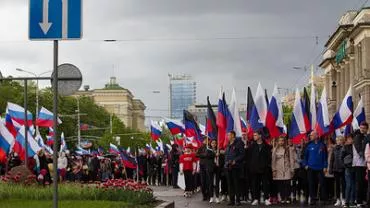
(62, 165)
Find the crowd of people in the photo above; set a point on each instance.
(317, 171)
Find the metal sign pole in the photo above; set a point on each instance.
(55, 111)
(25, 123)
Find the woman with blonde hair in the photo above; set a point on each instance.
(282, 163)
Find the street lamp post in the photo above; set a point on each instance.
(37, 90)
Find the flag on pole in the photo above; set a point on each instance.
(221, 120)
(306, 110)
(258, 115)
(46, 118)
(16, 112)
(274, 117)
(191, 126)
(297, 129)
(211, 126)
(250, 107)
(6, 142)
(63, 144)
(113, 149)
(10, 126)
(233, 118)
(313, 108)
(358, 115)
(345, 112)
(19, 146)
(155, 130)
(175, 126)
(322, 126)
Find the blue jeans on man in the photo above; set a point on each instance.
(350, 186)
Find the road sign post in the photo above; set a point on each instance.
(55, 20)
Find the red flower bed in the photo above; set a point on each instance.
(124, 184)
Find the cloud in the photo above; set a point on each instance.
(219, 42)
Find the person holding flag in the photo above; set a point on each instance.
(234, 156)
(206, 165)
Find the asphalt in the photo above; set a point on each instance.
(176, 195)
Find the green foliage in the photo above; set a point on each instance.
(91, 114)
(74, 192)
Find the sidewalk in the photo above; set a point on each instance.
(176, 195)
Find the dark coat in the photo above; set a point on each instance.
(206, 157)
(347, 150)
(359, 141)
(336, 163)
(235, 152)
(259, 161)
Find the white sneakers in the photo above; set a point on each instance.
(267, 202)
(214, 200)
(338, 203)
(223, 198)
(255, 202)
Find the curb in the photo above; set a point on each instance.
(166, 204)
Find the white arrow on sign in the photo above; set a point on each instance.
(45, 24)
(65, 18)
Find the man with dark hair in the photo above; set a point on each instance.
(260, 168)
(316, 164)
(359, 163)
(234, 156)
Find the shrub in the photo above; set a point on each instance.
(113, 190)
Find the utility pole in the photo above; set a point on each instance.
(78, 121)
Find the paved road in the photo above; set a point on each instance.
(176, 195)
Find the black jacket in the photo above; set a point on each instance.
(175, 156)
(336, 162)
(206, 157)
(359, 141)
(235, 152)
(346, 151)
(259, 160)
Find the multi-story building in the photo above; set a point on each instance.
(182, 91)
(346, 60)
(199, 111)
(120, 102)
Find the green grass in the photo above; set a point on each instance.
(14, 203)
(74, 192)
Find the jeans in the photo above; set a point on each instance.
(350, 185)
(313, 177)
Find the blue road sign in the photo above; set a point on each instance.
(55, 19)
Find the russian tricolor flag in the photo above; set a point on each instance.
(50, 137)
(344, 115)
(16, 112)
(19, 146)
(259, 111)
(175, 126)
(274, 117)
(113, 149)
(322, 126)
(221, 120)
(243, 125)
(358, 115)
(10, 126)
(211, 123)
(191, 126)
(233, 117)
(297, 129)
(46, 118)
(155, 130)
(6, 142)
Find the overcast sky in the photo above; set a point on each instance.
(233, 43)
